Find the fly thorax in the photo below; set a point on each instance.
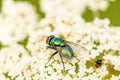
(57, 42)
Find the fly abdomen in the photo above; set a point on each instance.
(67, 52)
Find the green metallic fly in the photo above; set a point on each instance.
(65, 49)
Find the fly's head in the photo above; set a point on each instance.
(49, 38)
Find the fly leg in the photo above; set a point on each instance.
(76, 58)
(50, 47)
(51, 57)
(62, 61)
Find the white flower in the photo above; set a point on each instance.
(115, 77)
(95, 5)
(113, 60)
(72, 6)
(18, 20)
(63, 17)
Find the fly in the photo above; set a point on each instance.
(65, 48)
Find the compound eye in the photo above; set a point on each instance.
(49, 38)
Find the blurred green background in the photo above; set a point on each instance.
(112, 12)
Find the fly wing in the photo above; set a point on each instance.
(65, 51)
(77, 49)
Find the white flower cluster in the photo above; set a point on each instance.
(24, 58)
(74, 6)
(17, 21)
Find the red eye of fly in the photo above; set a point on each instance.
(47, 40)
